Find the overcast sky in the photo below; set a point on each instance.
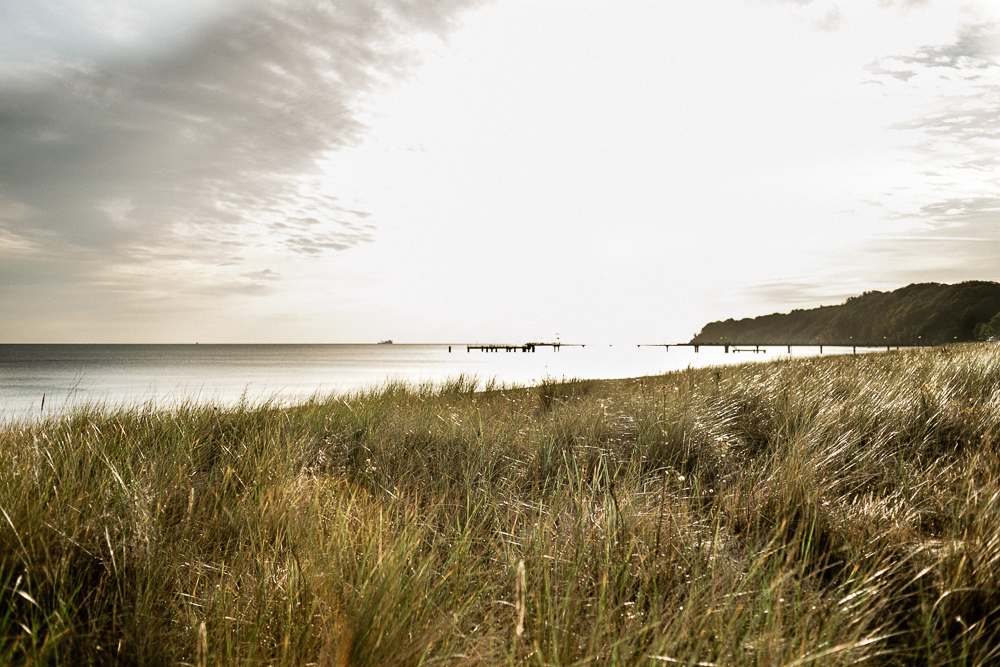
(453, 171)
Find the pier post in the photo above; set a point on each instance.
(727, 349)
(789, 349)
(695, 348)
(449, 349)
(821, 349)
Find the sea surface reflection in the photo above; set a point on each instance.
(68, 375)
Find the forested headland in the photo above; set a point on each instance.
(918, 314)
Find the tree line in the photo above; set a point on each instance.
(918, 314)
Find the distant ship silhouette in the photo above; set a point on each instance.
(385, 342)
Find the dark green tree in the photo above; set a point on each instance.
(918, 314)
(986, 330)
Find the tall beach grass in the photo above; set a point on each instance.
(820, 511)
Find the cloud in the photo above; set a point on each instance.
(266, 274)
(34, 30)
(973, 219)
(974, 51)
(906, 4)
(953, 140)
(798, 292)
(962, 244)
(960, 125)
(976, 47)
(200, 151)
(830, 22)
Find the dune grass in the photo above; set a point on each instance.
(822, 511)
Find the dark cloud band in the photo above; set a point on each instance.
(202, 151)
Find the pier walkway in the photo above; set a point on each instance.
(734, 347)
(755, 347)
(526, 347)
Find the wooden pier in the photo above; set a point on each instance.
(755, 347)
(525, 347)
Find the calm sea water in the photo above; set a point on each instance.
(68, 375)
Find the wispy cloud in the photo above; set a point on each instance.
(974, 51)
(820, 15)
(902, 3)
(954, 141)
(832, 20)
(143, 162)
(801, 292)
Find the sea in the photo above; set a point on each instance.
(38, 381)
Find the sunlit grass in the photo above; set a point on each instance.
(817, 511)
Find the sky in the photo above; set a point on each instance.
(621, 171)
